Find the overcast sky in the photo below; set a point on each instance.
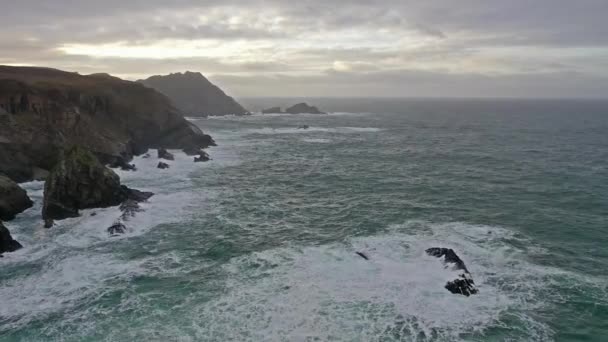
(393, 48)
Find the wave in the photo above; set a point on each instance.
(295, 130)
(329, 293)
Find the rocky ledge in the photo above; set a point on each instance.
(80, 181)
(7, 243)
(13, 199)
(464, 284)
(300, 108)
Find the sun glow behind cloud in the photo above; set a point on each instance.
(320, 47)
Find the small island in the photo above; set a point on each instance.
(300, 108)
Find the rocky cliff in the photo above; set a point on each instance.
(44, 110)
(194, 95)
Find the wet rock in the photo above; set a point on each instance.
(164, 154)
(363, 255)
(136, 195)
(303, 127)
(121, 163)
(80, 181)
(13, 199)
(162, 166)
(7, 243)
(146, 156)
(117, 228)
(204, 157)
(193, 151)
(464, 284)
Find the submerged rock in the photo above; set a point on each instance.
(7, 243)
(13, 199)
(162, 165)
(130, 207)
(117, 228)
(464, 284)
(164, 154)
(303, 127)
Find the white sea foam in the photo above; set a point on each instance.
(74, 254)
(329, 293)
(317, 141)
(295, 130)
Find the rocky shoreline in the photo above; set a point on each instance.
(64, 128)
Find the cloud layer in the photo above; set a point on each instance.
(541, 48)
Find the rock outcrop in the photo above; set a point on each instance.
(162, 166)
(80, 181)
(164, 154)
(130, 207)
(7, 243)
(300, 108)
(203, 157)
(194, 95)
(46, 110)
(303, 108)
(464, 284)
(13, 199)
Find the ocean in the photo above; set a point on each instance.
(260, 243)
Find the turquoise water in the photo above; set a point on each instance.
(258, 245)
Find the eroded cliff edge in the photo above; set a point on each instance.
(43, 111)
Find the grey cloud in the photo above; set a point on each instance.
(468, 30)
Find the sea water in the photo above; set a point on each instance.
(260, 243)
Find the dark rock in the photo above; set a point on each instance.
(194, 95)
(51, 110)
(303, 127)
(93, 214)
(164, 154)
(117, 228)
(121, 163)
(80, 181)
(162, 166)
(193, 151)
(204, 157)
(49, 223)
(13, 199)
(7, 243)
(464, 284)
(363, 255)
(136, 195)
(273, 110)
(146, 156)
(129, 209)
(303, 108)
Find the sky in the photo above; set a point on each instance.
(349, 48)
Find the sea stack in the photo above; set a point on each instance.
(80, 181)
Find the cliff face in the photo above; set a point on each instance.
(43, 111)
(194, 95)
